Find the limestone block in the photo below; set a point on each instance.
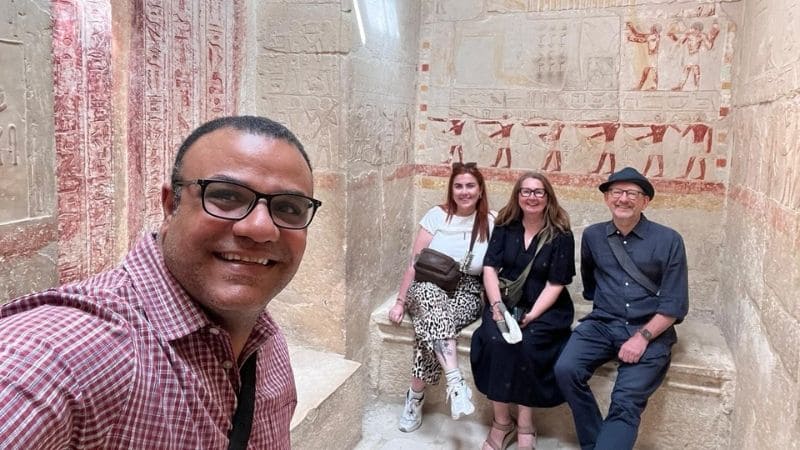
(330, 399)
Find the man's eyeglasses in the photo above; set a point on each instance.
(632, 194)
(468, 165)
(538, 193)
(234, 201)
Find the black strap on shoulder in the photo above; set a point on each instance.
(243, 417)
(524, 275)
(628, 265)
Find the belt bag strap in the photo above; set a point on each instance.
(628, 265)
(243, 417)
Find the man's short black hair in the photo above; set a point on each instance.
(250, 124)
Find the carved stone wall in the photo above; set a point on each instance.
(578, 89)
(28, 224)
(760, 306)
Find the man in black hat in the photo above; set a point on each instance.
(635, 272)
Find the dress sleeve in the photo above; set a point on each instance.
(494, 254)
(562, 259)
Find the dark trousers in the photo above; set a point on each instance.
(592, 344)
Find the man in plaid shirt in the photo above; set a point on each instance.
(147, 355)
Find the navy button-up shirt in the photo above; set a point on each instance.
(657, 251)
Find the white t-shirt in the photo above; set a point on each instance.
(452, 238)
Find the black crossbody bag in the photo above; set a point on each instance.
(245, 406)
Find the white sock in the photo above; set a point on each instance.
(453, 376)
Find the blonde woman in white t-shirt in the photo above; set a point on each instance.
(437, 316)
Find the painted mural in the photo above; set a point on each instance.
(578, 93)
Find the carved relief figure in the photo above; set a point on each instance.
(608, 130)
(655, 151)
(456, 128)
(692, 40)
(503, 136)
(700, 146)
(551, 139)
(653, 40)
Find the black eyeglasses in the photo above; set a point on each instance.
(468, 165)
(538, 193)
(234, 201)
(632, 194)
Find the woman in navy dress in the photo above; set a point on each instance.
(532, 226)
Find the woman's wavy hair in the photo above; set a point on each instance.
(556, 219)
(482, 208)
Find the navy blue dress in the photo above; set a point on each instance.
(522, 373)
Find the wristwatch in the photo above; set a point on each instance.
(646, 334)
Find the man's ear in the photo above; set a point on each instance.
(168, 203)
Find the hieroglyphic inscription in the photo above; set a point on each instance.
(99, 171)
(14, 182)
(68, 89)
(189, 76)
(156, 89)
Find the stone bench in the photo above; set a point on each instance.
(330, 400)
(691, 410)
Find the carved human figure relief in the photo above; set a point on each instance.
(700, 144)
(652, 40)
(692, 40)
(608, 133)
(552, 141)
(654, 149)
(502, 137)
(454, 130)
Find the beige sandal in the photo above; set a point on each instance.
(508, 428)
(527, 431)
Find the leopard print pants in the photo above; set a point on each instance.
(436, 316)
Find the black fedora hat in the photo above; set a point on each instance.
(630, 175)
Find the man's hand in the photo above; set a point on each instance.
(397, 312)
(633, 349)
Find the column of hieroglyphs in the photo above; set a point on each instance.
(27, 182)
(187, 57)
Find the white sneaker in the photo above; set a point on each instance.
(459, 395)
(412, 413)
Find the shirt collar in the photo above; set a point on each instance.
(166, 304)
(640, 230)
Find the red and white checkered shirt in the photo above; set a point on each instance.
(126, 360)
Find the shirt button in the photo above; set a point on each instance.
(626, 283)
(227, 364)
(626, 322)
(627, 305)
(213, 331)
(624, 242)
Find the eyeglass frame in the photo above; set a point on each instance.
(633, 194)
(204, 182)
(537, 193)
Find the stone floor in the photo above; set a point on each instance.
(438, 432)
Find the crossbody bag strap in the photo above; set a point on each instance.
(468, 257)
(524, 274)
(243, 417)
(628, 265)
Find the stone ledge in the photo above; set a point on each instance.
(327, 384)
(691, 410)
